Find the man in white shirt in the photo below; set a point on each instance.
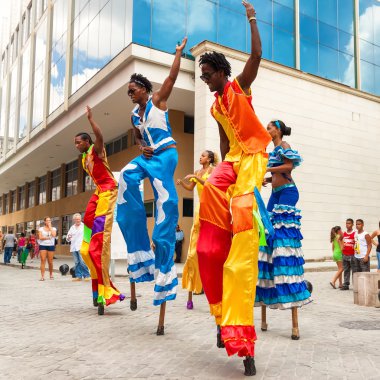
(363, 246)
(8, 244)
(75, 237)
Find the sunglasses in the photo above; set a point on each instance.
(131, 91)
(207, 76)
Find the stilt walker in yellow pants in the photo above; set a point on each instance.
(228, 241)
(98, 218)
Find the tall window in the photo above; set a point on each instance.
(58, 54)
(39, 74)
(32, 189)
(21, 198)
(369, 27)
(13, 201)
(1, 205)
(12, 108)
(24, 93)
(94, 21)
(3, 122)
(327, 39)
(56, 184)
(42, 190)
(71, 178)
(6, 204)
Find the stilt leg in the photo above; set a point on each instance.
(190, 301)
(264, 324)
(219, 341)
(249, 366)
(295, 331)
(133, 303)
(161, 320)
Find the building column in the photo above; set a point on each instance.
(81, 174)
(48, 187)
(63, 181)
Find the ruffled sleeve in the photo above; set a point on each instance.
(279, 153)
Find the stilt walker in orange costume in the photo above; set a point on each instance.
(98, 218)
(228, 242)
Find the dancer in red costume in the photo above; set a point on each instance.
(228, 241)
(98, 218)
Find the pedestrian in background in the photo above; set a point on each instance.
(377, 245)
(46, 240)
(348, 239)
(336, 235)
(179, 237)
(75, 237)
(34, 250)
(8, 245)
(363, 247)
(20, 246)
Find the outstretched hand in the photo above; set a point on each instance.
(182, 46)
(89, 112)
(250, 11)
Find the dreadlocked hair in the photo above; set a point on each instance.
(217, 61)
(141, 81)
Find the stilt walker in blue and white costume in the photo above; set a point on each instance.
(157, 162)
(281, 283)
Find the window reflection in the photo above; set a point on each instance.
(4, 95)
(12, 108)
(166, 29)
(283, 47)
(39, 74)
(58, 54)
(236, 36)
(369, 27)
(201, 22)
(100, 33)
(24, 96)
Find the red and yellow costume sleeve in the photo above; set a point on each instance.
(228, 241)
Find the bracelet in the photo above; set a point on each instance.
(253, 18)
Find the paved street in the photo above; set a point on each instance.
(49, 330)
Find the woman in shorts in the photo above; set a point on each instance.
(46, 240)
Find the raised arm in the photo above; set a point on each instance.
(160, 97)
(251, 67)
(98, 143)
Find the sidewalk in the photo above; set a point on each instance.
(121, 265)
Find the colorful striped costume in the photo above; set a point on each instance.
(281, 284)
(98, 219)
(143, 263)
(228, 241)
(191, 278)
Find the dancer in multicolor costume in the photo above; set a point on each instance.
(281, 283)
(98, 218)
(157, 162)
(191, 278)
(228, 243)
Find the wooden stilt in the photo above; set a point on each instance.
(190, 296)
(133, 302)
(161, 320)
(295, 331)
(264, 324)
